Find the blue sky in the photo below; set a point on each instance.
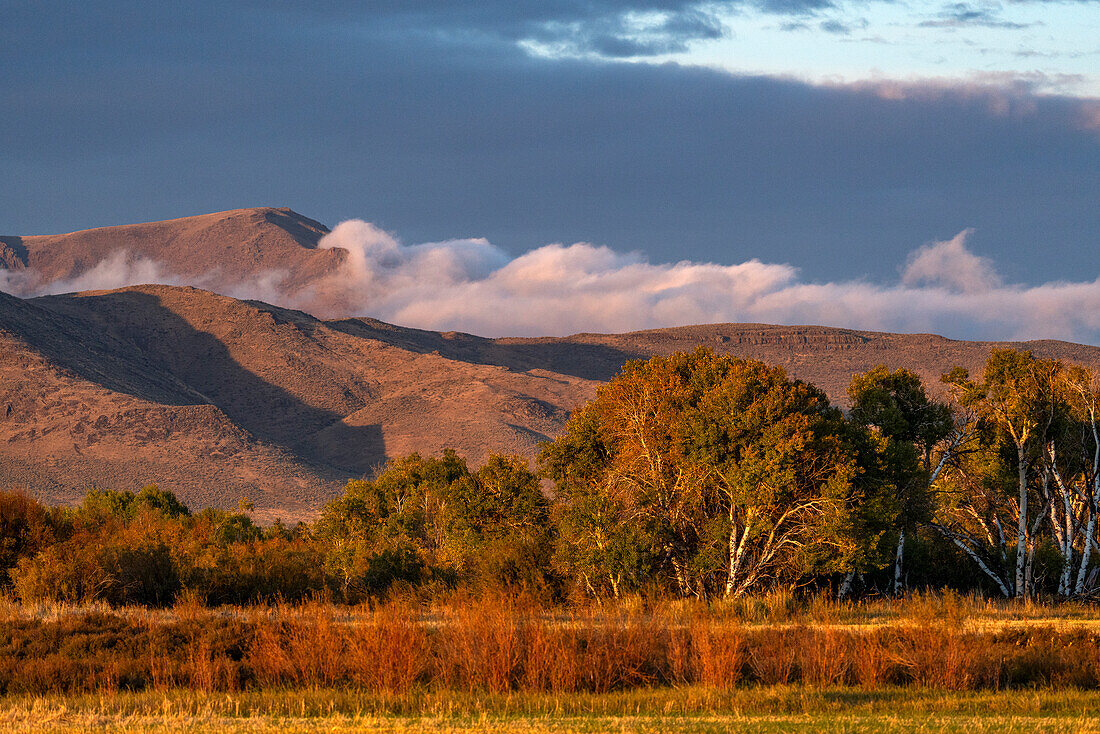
(832, 138)
(1054, 46)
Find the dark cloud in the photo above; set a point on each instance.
(836, 27)
(610, 28)
(960, 15)
(147, 115)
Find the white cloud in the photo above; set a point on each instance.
(115, 271)
(472, 285)
(950, 265)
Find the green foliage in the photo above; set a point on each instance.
(227, 527)
(434, 517)
(107, 504)
(706, 473)
(905, 427)
(897, 406)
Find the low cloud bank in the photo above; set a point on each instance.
(471, 285)
(115, 271)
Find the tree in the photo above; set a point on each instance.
(716, 472)
(895, 406)
(1015, 405)
(124, 506)
(434, 514)
(26, 527)
(601, 541)
(1072, 459)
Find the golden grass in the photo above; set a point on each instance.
(692, 709)
(777, 609)
(497, 644)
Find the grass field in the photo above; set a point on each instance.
(767, 664)
(774, 609)
(693, 709)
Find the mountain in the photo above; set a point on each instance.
(220, 251)
(216, 398)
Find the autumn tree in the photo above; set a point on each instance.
(26, 527)
(715, 473)
(423, 514)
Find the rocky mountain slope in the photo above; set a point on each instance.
(217, 398)
(220, 251)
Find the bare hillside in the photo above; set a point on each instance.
(216, 398)
(221, 251)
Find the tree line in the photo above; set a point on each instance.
(688, 475)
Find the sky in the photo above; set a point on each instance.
(836, 141)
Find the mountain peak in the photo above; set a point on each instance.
(220, 251)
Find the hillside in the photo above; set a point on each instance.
(228, 252)
(217, 398)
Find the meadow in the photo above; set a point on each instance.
(774, 662)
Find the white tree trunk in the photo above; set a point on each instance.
(1021, 529)
(898, 561)
(846, 585)
(976, 558)
(731, 575)
(1086, 553)
(1094, 507)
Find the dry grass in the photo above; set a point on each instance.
(692, 709)
(772, 609)
(497, 645)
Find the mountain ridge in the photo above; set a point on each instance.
(220, 251)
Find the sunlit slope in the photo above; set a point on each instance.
(217, 398)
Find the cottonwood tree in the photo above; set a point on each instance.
(1072, 460)
(728, 474)
(787, 469)
(623, 459)
(424, 515)
(603, 540)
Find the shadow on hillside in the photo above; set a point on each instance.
(53, 327)
(15, 245)
(200, 361)
(266, 410)
(563, 356)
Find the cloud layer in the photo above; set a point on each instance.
(429, 116)
(473, 286)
